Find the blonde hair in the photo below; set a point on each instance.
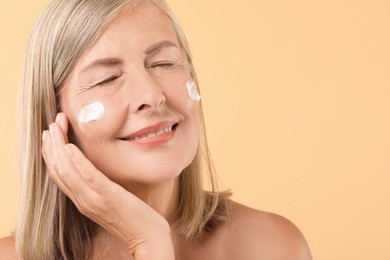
(49, 226)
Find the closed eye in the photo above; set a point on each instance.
(162, 64)
(108, 80)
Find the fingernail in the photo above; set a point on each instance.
(58, 118)
(44, 135)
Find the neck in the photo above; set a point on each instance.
(162, 197)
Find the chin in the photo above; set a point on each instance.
(150, 174)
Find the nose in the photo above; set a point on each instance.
(147, 94)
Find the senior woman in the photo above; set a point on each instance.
(113, 146)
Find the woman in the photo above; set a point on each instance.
(110, 100)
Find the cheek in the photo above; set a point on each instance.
(184, 95)
(192, 90)
(95, 127)
(91, 112)
(184, 103)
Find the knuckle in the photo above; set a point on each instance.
(92, 181)
(91, 207)
(61, 172)
(89, 179)
(44, 153)
(50, 173)
(83, 208)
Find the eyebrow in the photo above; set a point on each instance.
(112, 62)
(158, 46)
(105, 62)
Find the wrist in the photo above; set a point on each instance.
(156, 249)
(158, 245)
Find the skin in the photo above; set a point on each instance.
(140, 90)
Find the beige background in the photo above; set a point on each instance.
(296, 96)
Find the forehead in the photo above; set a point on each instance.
(134, 30)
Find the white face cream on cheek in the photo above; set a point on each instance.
(91, 112)
(192, 91)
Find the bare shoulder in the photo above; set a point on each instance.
(7, 248)
(261, 235)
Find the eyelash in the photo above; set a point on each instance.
(108, 80)
(162, 65)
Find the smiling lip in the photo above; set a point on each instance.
(152, 135)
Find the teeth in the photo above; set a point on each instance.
(151, 135)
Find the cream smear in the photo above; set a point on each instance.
(192, 91)
(92, 112)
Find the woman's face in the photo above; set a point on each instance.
(137, 70)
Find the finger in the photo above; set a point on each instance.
(66, 169)
(60, 160)
(47, 157)
(101, 184)
(110, 200)
(62, 121)
(63, 165)
(93, 196)
(92, 176)
(62, 172)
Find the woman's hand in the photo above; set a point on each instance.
(146, 232)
